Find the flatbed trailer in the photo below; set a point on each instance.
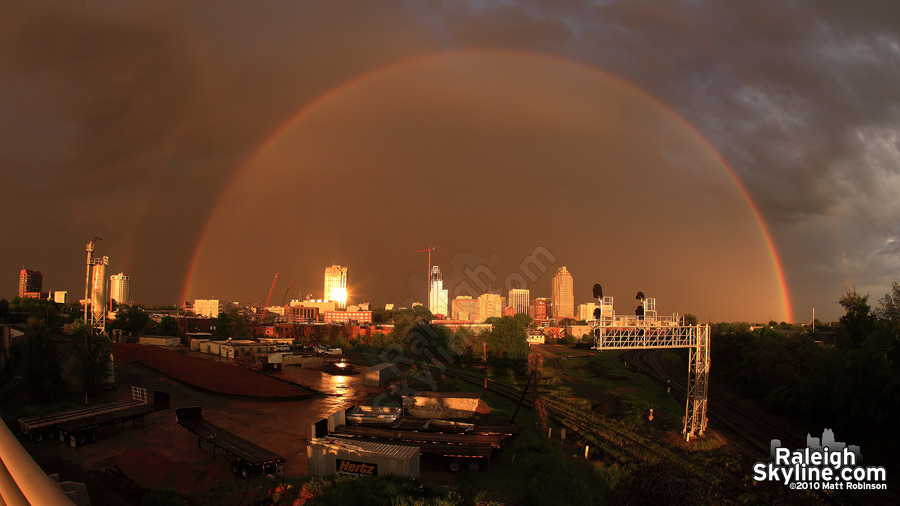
(80, 431)
(249, 459)
(421, 436)
(46, 427)
(458, 450)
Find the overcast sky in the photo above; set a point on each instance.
(634, 142)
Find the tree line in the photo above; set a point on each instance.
(849, 382)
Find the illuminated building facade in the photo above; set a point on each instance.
(336, 285)
(563, 294)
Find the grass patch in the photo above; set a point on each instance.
(603, 374)
(534, 470)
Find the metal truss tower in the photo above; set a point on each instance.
(647, 331)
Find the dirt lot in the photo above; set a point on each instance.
(163, 454)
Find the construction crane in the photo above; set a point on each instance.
(286, 290)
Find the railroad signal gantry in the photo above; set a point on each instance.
(647, 330)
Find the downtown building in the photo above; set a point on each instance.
(120, 288)
(336, 285)
(437, 295)
(464, 308)
(489, 306)
(30, 283)
(562, 294)
(518, 300)
(207, 308)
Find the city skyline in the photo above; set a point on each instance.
(734, 160)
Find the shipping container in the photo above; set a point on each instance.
(197, 342)
(160, 340)
(354, 457)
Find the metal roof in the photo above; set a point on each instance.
(361, 447)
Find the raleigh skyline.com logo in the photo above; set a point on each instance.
(824, 464)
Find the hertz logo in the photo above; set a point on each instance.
(356, 468)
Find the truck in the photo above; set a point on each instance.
(249, 459)
(46, 427)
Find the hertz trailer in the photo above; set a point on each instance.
(249, 459)
(354, 457)
(83, 430)
(46, 427)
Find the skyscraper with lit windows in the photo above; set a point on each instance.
(336, 285)
(563, 295)
(438, 296)
(120, 288)
(518, 300)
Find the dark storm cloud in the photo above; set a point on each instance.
(146, 111)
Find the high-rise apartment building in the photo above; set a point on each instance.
(563, 294)
(120, 288)
(518, 300)
(30, 282)
(336, 285)
(438, 297)
(489, 305)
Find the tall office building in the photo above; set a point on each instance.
(30, 282)
(563, 294)
(489, 305)
(518, 300)
(336, 285)
(120, 288)
(438, 297)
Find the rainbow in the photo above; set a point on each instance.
(359, 80)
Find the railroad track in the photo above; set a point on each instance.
(619, 442)
(756, 429)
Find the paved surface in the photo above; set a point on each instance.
(162, 453)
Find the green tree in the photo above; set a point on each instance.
(132, 320)
(92, 358)
(509, 339)
(232, 323)
(689, 319)
(858, 322)
(168, 326)
(41, 365)
(32, 308)
(889, 307)
(524, 319)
